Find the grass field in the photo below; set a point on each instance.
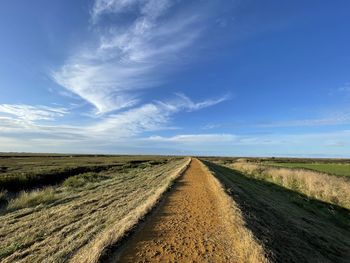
(78, 218)
(291, 226)
(61, 208)
(339, 169)
(328, 188)
(22, 172)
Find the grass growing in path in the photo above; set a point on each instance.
(247, 248)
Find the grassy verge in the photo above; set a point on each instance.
(331, 189)
(81, 220)
(291, 226)
(247, 248)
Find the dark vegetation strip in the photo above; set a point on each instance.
(28, 180)
(292, 227)
(44, 193)
(18, 181)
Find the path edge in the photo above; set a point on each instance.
(114, 240)
(249, 249)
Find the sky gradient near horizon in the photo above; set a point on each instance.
(239, 78)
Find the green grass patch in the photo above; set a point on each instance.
(82, 179)
(5, 251)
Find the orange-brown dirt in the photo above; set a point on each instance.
(188, 226)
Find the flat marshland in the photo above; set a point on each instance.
(61, 208)
(22, 172)
(77, 218)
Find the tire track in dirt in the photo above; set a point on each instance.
(190, 225)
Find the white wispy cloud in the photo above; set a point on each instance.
(195, 138)
(333, 119)
(128, 57)
(147, 117)
(149, 8)
(304, 144)
(30, 113)
(192, 106)
(111, 6)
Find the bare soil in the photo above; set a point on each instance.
(190, 225)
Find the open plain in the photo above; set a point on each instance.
(60, 208)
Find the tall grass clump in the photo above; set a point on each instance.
(32, 198)
(82, 179)
(330, 189)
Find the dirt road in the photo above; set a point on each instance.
(189, 226)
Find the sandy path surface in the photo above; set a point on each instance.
(189, 226)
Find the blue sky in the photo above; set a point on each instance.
(240, 78)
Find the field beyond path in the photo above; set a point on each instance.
(190, 225)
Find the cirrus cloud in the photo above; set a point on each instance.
(129, 56)
(31, 113)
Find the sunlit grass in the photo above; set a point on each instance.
(76, 220)
(32, 198)
(330, 168)
(328, 188)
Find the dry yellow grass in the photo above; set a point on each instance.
(331, 189)
(93, 251)
(81, 222)
(246, 247)
(32, 198)
(291, 227)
